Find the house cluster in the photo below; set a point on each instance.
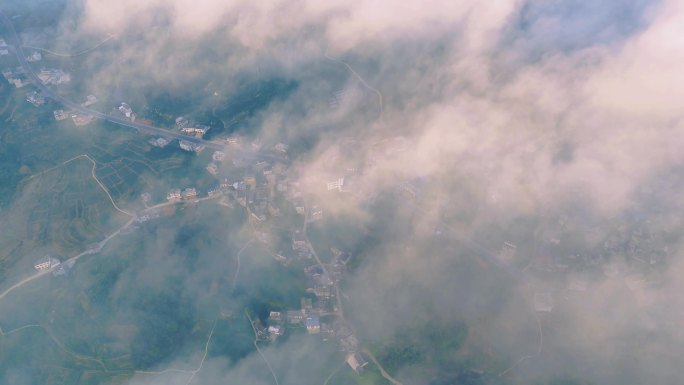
(321, 279)
(81, 119)
(90, 100)
(254, 196)
(309, 317)
(320, 284)
(126, 111)
(34, 57)
(318, 312)
(300, 245)
(78, 118)
(189, 146)
(274, 326)
(350, 345)
(197, 131)
(149, 215)
(159, 142)
(61, 114)
(256, 190)
(176, 194)
(281, 148)
(35, 98)
(187, 127)
(312, 213)
(53, 76)
(335, 184)
(217, 157)
(212, 168)
(16, 77)
(320, 321)
(52, 264)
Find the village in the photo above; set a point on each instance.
(256, 192)
(264, 180)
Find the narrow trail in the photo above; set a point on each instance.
(102, 364)
(92, 172)
(172, 370)
(59, 343)
(259, 350)
(237, 271)
(20, 329)
(206, 351)
(105, 188)
(382, 370)
(76, 355)
(540, 346)
(53, 167)
(185, 371)
(9, 100)
(11, 114)
(362, 80)
(98, 45)
(333, 373)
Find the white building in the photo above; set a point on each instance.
(182, 122)
(159, 142)
(336, 185)
(191, 147)
(47, 263)
(53, 76)
(35, 56)
(61, 114)
(218, 156)
(126, 110)
(189, 193)
(212, 168)
(174, 195)
(356, 362)
(281, 147)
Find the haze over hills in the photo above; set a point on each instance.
(357, 192)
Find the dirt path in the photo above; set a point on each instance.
(259, 350)
(98, 45)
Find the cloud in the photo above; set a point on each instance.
(641, 78)
(539, 121)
